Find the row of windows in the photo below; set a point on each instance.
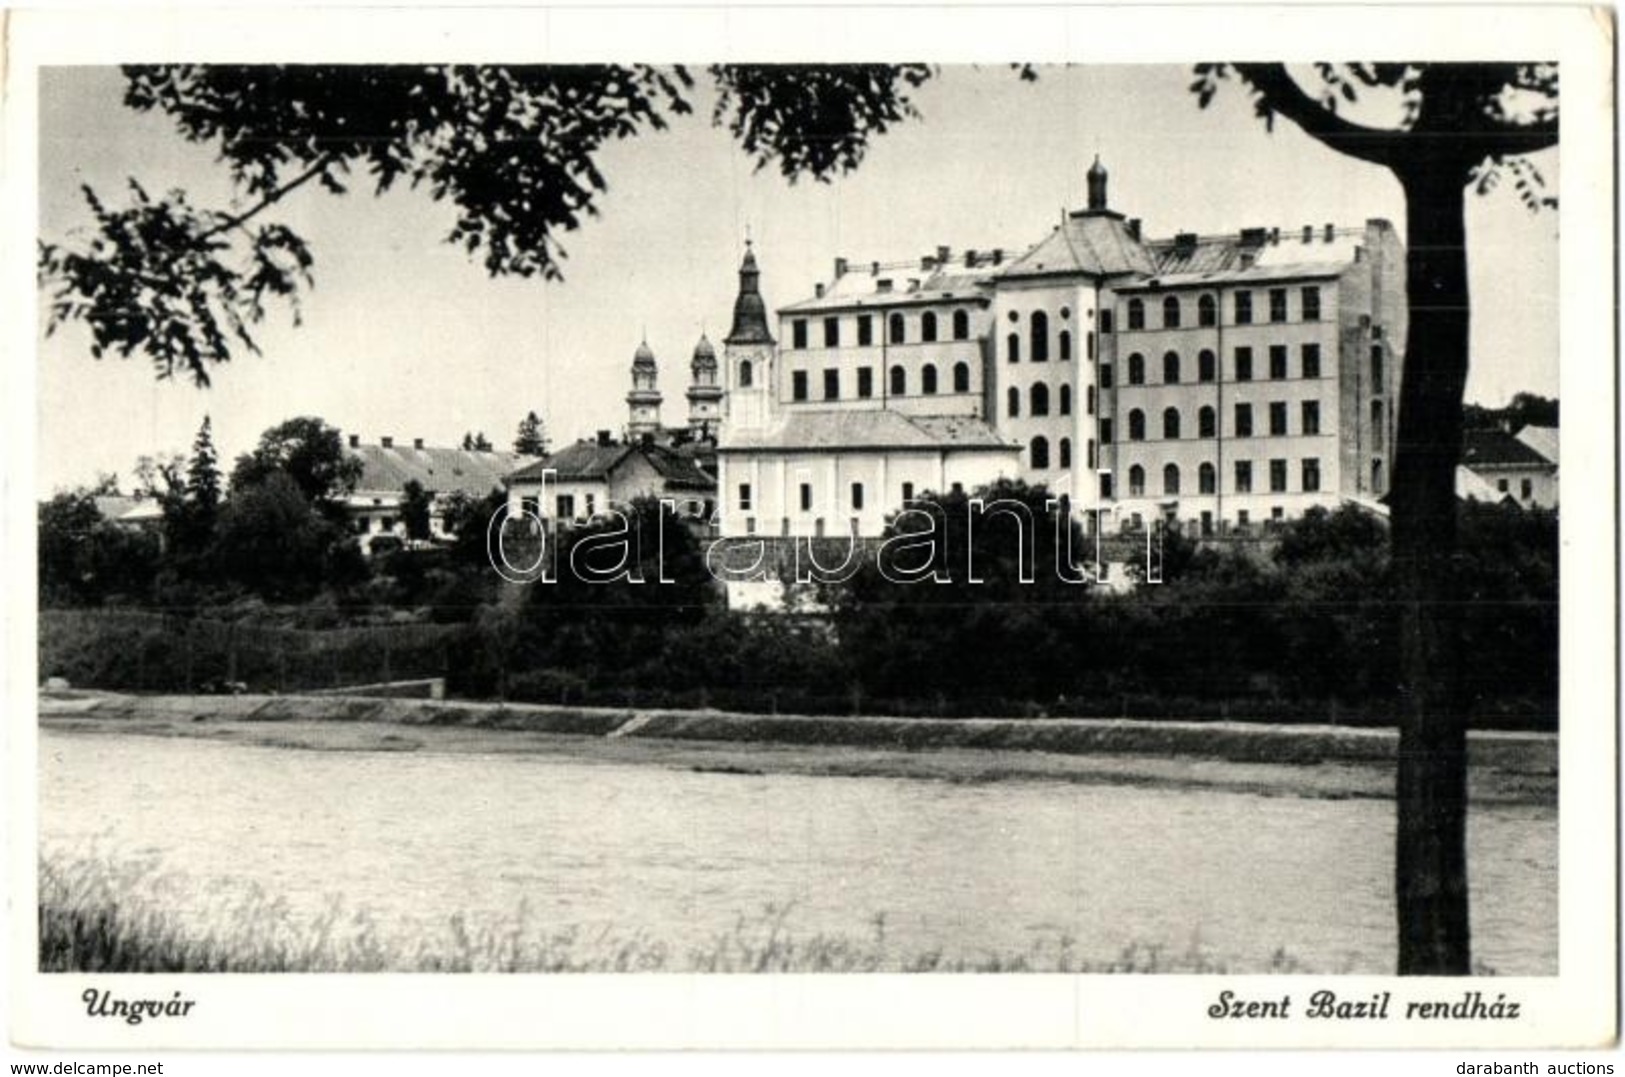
(1038, 453)
(1207, 309)
(804, 495)
(1038, 401)
(896, 329)
(1207, 421)
(1207, 478)
(1038, 340)
(1207, 365)
(800, 388)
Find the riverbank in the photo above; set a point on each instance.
(1319, 761)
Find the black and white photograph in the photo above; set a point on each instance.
(596, 525)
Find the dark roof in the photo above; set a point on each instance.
(1497, 448)
(588, 461)
(441, 470)
(678, 468)
(750, 313)
(1098, 244)
(876, 428)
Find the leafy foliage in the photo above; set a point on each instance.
(309, 452)
(531, 438)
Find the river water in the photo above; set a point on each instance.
(679, 856)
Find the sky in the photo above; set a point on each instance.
(405, 335)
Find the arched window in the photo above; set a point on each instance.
(1012, 402)
(1040, 400)
(1207, 365)
(899, 382)
(1170, 422)
(1038, 453)
(1206, 423)
(1170, 368)
(1170, 312)
(1066, 400)
(1066, 345)
(928, 327)
(1012, 347)
(1136, 314)
(1136, 481)
(1136, 425)
(1066, 452)
(1207, 311)
(1091, 453)
(1170, 479)
(894, 328)
(961, 377)
(1136, 369)
(961, 325)
(928, 379)
(1376, 415)
(744, 373)
(1040, 335)
(1089, 400)
(1206, 479)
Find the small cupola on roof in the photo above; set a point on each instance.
(705, 356)
(1097, 185)
(643, 402)
(750, 313)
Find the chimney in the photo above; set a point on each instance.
(1134, 227)
(1253, 237)
(840, 268)
(387, 442)
(942, 255)
(1330, 233)
(603, 438)
(417, 443)
(1308, 233)
(998, 255)
(883, 285)
(1275, 236)
(874, 269)
(818, 290)
(355, 441)
(970, 259)
(926, 264)
(1185, 242)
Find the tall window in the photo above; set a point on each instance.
(961, 325)
(798, 333)
(806, 497)
(1012, 347)
(1311, 417)
(1277, 304)
(1038, 453)
(1277, 361)
(744, 373)
(1207, 311)
(1311, 304)
(1012, 402)
(1170, 368)
(1376, 476)
(744, 497)
(899, 381)
(1311, 475)
(1105, 431)
(1136, 481)
(1065, 344)
(1244, 308)
(961, 377)
(1170, 312)
(1206, 423)
(866, 382)
(928, 327)
(1039, 402)
(1207, 479)
(832, 384)
(1277, 476)
(1244, 364)
(798, 385)
(1106, 321)
(1040, 335)
(1136, 425)
(1105, 375)
(1136, 369)
(1064, 407)
(1376, 368)
(1136, 314)
(1376, 417)
(1278, 418)
(1170, 479)
(1170, 422)
(894, 329)
(1244, 476)
(832, 332)
(1106, 486)
(1244, 420)
(1091, 463)
(866, 330)
(1311, 360)
(1066, 453)
(857, 495)
(1207, 365)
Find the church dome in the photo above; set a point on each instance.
(704, 353)
(644, 356)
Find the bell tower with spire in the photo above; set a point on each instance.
(643, 402)
(704, 392)
(748, 352)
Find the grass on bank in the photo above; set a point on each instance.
(101, 915)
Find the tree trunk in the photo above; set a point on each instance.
(1431, 848)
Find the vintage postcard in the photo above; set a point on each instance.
(816, 527)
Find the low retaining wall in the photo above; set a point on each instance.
(1242, 742)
